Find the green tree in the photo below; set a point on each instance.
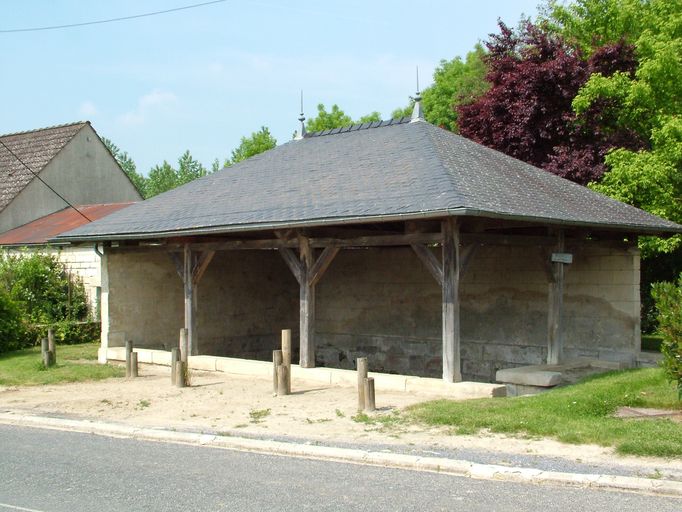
(648, 102)
(127, 164)
(189, 169)
(668, 298)
(455, 82)
(336, 118)
(165, 177)
(256, 143)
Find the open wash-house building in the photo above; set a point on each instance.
(400, 241)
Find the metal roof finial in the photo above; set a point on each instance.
(417, 113)
(301, 118)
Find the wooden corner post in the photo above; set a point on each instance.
(555, 335)
(451, 326)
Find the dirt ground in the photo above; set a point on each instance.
(238, 405)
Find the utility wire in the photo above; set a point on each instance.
(110, 20)
(43, 181)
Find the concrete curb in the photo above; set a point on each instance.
(355, 456)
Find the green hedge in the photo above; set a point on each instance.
(668, 297)
(67, 333)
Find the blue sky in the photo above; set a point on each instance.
(200, 79)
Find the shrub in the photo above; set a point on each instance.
(668, 297)
(13, 333)
(41, 287)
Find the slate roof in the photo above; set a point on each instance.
(378, 171)
(40, 231)
(35, 148)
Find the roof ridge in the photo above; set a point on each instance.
(359, 126)
(24, 132)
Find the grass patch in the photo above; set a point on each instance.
(25, 367)
(258, 415)
(581, 413)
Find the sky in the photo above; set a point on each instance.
(200, 79)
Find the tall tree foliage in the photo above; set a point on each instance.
(256, 143)
(455, 82)
(165, 177)
(335, 118)
(527, 113)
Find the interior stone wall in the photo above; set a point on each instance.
(383, 304)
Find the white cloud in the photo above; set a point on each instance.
(149, 104)
(88, 109)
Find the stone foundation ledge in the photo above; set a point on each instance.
(329, 376)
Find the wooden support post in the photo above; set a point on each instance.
(51, 344)
(286, 355)
(175, 352)
(370, 404)
(133, 364)
(276, 363)
(129, 351)
(555, 335)
(451, 326)
(188, 283)
(307, 307)
(184, 347)
(282, 379)
(181, 374)
(362, 375)
(44, 347)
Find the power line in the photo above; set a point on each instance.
(43, 181)
(110, 20)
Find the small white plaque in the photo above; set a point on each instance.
(562, 257)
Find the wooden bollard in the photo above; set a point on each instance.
(282, 380)
(180, 374)
(277, 358)
(184, 345)
(133, 364)
(51, 344)
(286, 355)
(362, 375)
(47, 359)
(370, 403)
(129, 351)
(174, 362)
(44, 346)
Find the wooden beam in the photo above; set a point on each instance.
(190, 317)
(292, 262)
(430, 261)
(451, 325)
(555, 335)
(322, 264)
(201, 265)
(306, 307)
(177, 261)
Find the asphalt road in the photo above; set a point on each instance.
(55, 471)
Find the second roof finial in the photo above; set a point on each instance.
(417, 113)
(301, 118)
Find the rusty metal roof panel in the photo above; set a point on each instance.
(45, 228)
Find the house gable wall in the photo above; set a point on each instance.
(84, 172)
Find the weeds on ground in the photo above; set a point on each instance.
(257, 415)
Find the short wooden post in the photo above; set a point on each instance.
(276, 363)
(51, 344)
(370, 404)
(282, 379)
(286, 355)
(133, 364)
(180, 374)
(47, 359)
(129, 351)
(44, 347)
(362, 375)
(184, 345)
(174, 361)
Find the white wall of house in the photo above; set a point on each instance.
(83, 172)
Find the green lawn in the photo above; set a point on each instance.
(581, 413)
(74, 363)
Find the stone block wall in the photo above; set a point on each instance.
(383, 304)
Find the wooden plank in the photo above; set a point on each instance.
(555, 338)
(430, 261)
(201, 266)
(292, 262)
(322, 264)
(451, 324)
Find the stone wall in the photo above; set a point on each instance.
(382, 303)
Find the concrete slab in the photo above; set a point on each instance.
(529, 376)
(326, 376)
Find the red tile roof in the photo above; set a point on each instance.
(45, 228)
